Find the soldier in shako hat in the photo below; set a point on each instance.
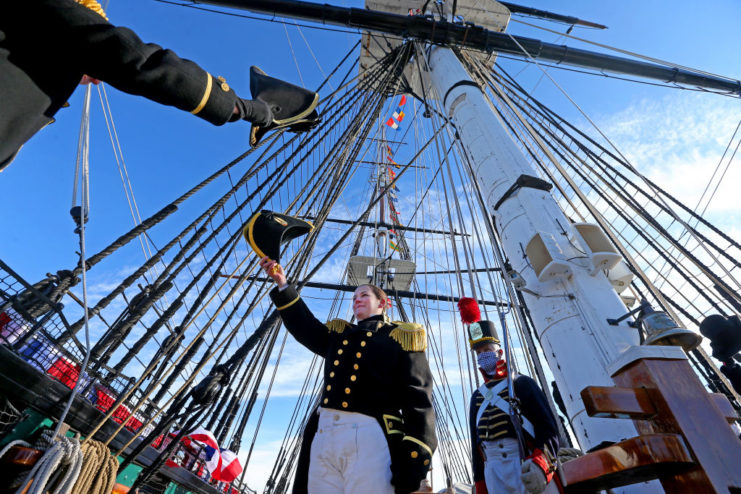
(497, 465)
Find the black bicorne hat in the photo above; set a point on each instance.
(266, 231)
(482, 332)
(291, 106)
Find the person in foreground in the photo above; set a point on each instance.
(374, 428)
(497, 465)
(48, 47)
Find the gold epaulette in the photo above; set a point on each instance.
(410, 335)
(337, 325)
(94, 6)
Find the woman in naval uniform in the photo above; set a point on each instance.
(374, 428)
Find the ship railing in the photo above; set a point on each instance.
(33, 339)
(193, 457)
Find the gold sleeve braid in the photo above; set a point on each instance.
(410, 335)
(94, 6)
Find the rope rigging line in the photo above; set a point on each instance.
(162, 214)
(552, 116)
(80, 216)
(228, 297)
(615, 77)
(659, 295)
(313, 174)
(624, 52)
(183, 387)
(630, 200)
(610, 184)
(648, 183)
(438, 360)
(710, 180)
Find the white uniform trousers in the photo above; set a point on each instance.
(502, 467)
(349, 455)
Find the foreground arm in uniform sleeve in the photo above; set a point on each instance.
(478, 461)
(419, 442)
(117, 56)
(299, 321)
(534, 407)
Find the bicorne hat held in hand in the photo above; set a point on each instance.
(266, 231)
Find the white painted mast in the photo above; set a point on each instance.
(573, 302)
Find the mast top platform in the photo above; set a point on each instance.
(488, 14)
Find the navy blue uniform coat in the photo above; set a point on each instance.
(367, 370)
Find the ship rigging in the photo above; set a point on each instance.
(394, 181)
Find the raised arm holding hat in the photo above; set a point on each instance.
(47, 47)
(374, 428)
(497, 464)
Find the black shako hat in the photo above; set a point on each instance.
(266, 231)
(482, 332)
(292, 106)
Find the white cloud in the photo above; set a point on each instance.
(678, 142)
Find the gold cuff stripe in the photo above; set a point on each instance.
(206, 94)
(288, 304)
(417, 441)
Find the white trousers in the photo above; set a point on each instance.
(349, 455)
(502, 468)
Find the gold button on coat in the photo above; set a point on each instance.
(369, 334)
(414, 454)
(362, 343)
(353, 377)
(331, 374)
(344, 404)
(329, 387)
(336, 362)
(347, 391)
(426, 462)
(356, 366)
(326, 400)
(339, 352)
(344, 342)
(358, 354)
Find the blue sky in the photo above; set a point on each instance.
(676, 137)
(167, 150)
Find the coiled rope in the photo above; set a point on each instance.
(62, 454)
(98, 472)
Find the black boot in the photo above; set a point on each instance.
(291, 106)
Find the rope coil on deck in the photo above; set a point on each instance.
(98, 473)
(61, 454)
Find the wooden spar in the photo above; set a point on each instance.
(439, 31)
(393, 293)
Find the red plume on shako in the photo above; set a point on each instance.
(469, 310)
(479, 332)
